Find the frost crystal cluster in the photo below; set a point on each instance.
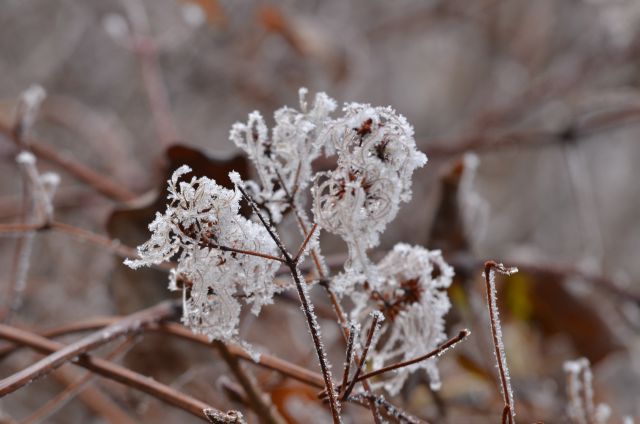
(283, 160)
(376, 156)
(200, 225)
(411, 294)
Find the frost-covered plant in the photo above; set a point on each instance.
(580, 408)
(283, 160)
(411, 294)
(222, 256)
(377, 156)
(202, 227)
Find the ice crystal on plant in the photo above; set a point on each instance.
(411, 295)
(377, 156)
(283, 160)
(199, 227)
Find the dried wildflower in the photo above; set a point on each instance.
(201, 227)
(411, 294)
(377, 156)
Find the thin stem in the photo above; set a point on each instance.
(129, 325)
(436, 352)
(392, 410)
(363, 358)
(111, 371)
(259, 402)
(271, 362)
(342, 318)
(101, 183)
(496, 331)
(62, 398)
(247, 252)
(312, 322)
(348, 356)
(304, 243)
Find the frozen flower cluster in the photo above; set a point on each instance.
(377, 156)
(283, 160)
(203, 230)
(411, 294)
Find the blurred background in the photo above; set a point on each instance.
(529, 112)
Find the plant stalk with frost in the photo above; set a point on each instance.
(223, 257)
(580, 408)
(490, 268)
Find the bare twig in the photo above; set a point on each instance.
(247, 252)
(259, 402)
(114, 246)
(304, 243)
(312, 321)
(346, 391)
(348, 355)
(436, 352)
(391, 410)
(101, 183)
(126, 326)
(145, 48)
(112, 371)
(508, 413)
(60, 400)
(267, 361)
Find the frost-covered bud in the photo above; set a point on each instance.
(28, 108)
(411, 295)
(202, 227)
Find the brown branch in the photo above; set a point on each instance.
(296, 258)
(129, 325)
(436, 352)
(363, 359)
(391, 410)
(247, 252)
(496, 331)
(312, 321)
(111, 371)
(271, 362)
(259, 402)
(62, 398)
(348, 355)
(101, 183)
